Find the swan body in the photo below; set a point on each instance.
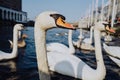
(61, 47)
(21, 42)
(71, 65)
(60, 62)
(114, 53)
(87, 46)
(13, 54)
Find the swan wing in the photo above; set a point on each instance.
(117, 61)
(4, 55)
(65, 64)
(112, 50)
(57, 47)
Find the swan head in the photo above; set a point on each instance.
(50, 19)
(103, 25)
(19, 26)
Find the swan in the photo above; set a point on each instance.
(44, 21)
(75, 67)
(13, 54)
(64, 63)
(85, 43)
(81, 34)
(89, 40)
(80, 37)
(108, 37)
(21, 42)
(61, 47)
(114, 53)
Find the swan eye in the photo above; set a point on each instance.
(59, 20)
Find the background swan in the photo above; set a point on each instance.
(13, 54)
(108, 38)
(90, 39)
(43, 22)
(114, 53)
(75, 67)
(61, 47)
(80, 37)
(81, 34)
(21, 41)
(63, 63)
(85, 43)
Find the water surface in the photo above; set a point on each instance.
(24, 67)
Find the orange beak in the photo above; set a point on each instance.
(61, 22)
(110, 29)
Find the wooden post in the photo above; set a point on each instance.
(88, 17)
(113, 13)
(92, 12)
(109, 10)
(102, 10)
(96, 16)
(116, 6)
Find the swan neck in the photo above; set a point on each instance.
(98, 51)
(41, 54)
(91, 34)
(71, 47)
(81, 36)
(15, 41)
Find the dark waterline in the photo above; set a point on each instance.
(24, 67)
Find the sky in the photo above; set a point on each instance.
(71, 9)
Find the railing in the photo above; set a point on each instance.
(13, 15)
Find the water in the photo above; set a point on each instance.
(24, 67)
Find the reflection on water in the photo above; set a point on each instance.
(25, 66)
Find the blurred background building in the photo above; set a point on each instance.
(11, 12)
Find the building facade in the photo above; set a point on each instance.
(12, 4)
(11, 10)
